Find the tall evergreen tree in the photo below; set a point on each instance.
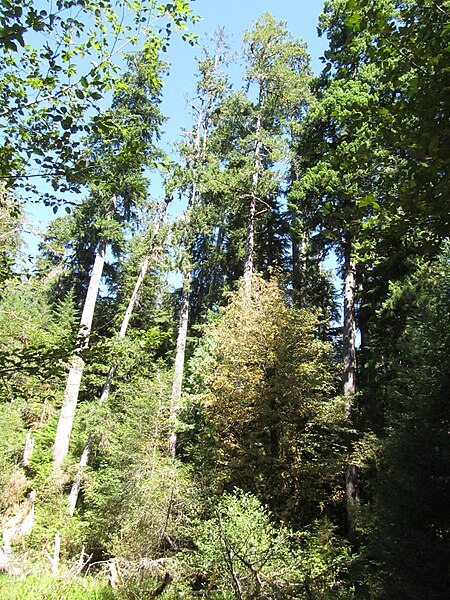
(118, 185)
(411, 505)
(357, 174)
(191, 180)
(277, 72)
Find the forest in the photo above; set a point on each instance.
(192, 405)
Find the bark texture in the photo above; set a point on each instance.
(250, 236)
(179, 363)
(349, 378)
(67, 415)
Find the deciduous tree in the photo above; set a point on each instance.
(58, 59)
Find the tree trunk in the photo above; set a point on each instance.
(175, 398)
(198, 155)
(179, 363)
(250, 244)
(123, 329)
(299, 264)
(349, 379)
(250, 238)
(296, 263)
(217, 251)
(28, 450)
(67, 415)
(76, 486)
(54, 560)
(295, 238)
(349, 332)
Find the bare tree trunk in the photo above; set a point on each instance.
(349, 379)
(250, 244)
(250, 237)
(217, 251)
(76, 486)
(67, 415)
(199, 153)
(125, 323)
(28, 450)
(54, 560)
(349, 332)
(177, 384)
(179, 363)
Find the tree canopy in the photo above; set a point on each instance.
(58, 59)
(197, 405)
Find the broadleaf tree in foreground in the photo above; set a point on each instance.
(57, 60)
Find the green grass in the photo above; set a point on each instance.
(43, 586)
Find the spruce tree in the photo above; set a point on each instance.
(191, 180)
(118, 156)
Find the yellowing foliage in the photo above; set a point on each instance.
(268, 394)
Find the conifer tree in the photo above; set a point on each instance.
(360, 172)
(118, 156)
(411, 507)
(250, 139)
(147, 259)
(339, 169)
(190, 180)
(279, 67)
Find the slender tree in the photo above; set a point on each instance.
(251, 136)
(148, 258)
(210, 89)
(360, 173)
(336, 189)
(118, 158)
(67, 414)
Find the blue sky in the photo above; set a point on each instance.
(235, 16)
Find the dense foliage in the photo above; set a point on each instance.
(231, 438)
